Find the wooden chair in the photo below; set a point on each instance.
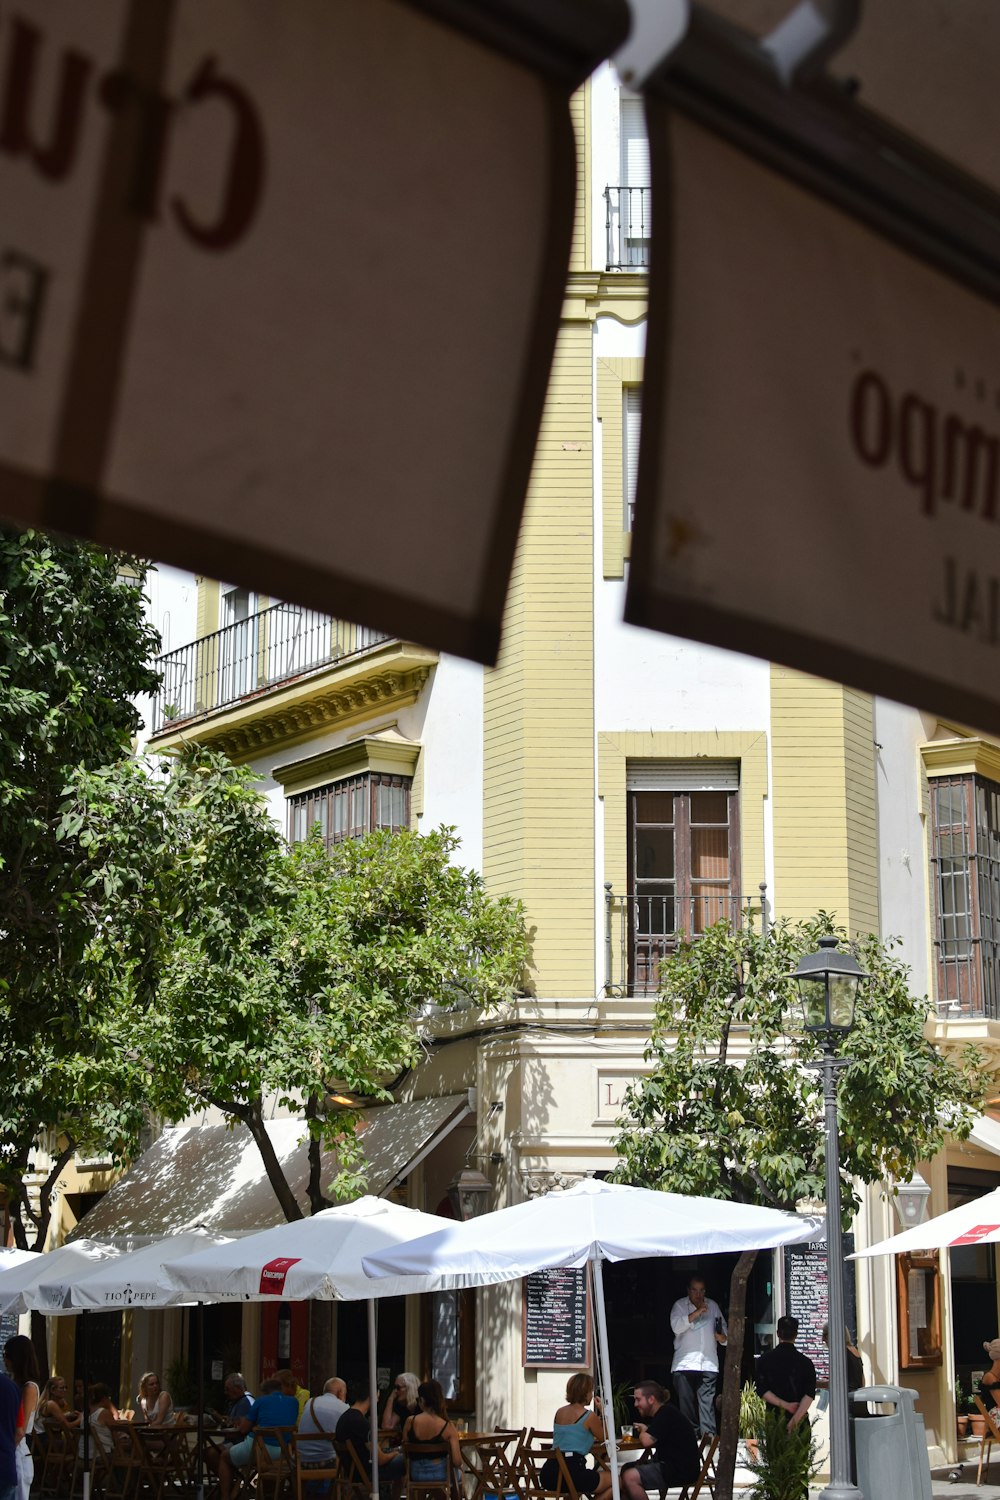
(991, 1434)
(116, 1469)
(353, 1482)
(326, 1469)
(168, 1460)
(59, 1459)
(421, 1489)
(708, 1448)
(531, 1458)
(272, 1458)
(492, 1462)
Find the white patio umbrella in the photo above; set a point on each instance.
(976, 1223)
(67, 1261)
(14, 1257)
(131, 1279)
(319, 1257)
(590, 1222)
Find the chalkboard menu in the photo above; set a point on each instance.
(556, 1320)
(806, 1297)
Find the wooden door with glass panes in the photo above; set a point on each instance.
(683, 873)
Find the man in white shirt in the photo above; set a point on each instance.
(698, 1328)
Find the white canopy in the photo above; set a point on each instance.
(68, 1261)
(975, 1223)
(592, 1220)
(319, 1257)
(13, 1257)
(130, 1280)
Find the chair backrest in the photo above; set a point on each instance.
(435, 1452)
(992, 1417)
(353, 1477)
(307, 1469)
(707, 1472)
(542, 1469)
(492, 1461)
(271, 1447)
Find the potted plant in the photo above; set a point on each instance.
(753, 1412)
(180, 1385)
(786, 1460)
(621, 1404)
(961, 1409)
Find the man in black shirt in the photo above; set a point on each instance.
(784, 1377)
(662, 1429)
(355, 1426)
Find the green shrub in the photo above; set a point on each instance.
(786, 1459)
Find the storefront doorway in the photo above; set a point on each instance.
(973, 1283)
(640, 1293)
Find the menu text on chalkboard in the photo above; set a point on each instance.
(556, 1318)
(806, 1297)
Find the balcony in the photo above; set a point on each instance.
(628, 227)
(252, 657)
(642, 929)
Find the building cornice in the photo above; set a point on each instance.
(970, 756)
(372, 752)
(388, 678)
(613, 294)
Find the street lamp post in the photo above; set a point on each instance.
(828, 985)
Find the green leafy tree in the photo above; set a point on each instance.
(320, 990)
(730, 1108)
(74, 653)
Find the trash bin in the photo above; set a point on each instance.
(891, 1449)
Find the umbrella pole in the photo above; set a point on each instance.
(86, 1405)
(373, 1388)
(602, 1352)
(200, 1486)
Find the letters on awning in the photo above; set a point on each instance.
(280, 286)
(819, 480)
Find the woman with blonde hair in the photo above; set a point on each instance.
(402, 1402)
(53, 1404)
(153, 1405)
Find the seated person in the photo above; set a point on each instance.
(401, 1402)
(318, 1423)
(431, 1425)
(152, 1404)
(989, 1386)
(53, 1405)
(239, 1403)
(273, 1408)
(290, 1385)
(355, 1427)
(104, 1415)
(669, 1437)
(574, 1429)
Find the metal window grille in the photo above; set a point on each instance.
(965, 865)
(350, 808)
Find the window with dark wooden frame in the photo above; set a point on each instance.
(352, 807)
(684, 872)
(965, 869)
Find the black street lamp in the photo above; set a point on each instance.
(828, 987)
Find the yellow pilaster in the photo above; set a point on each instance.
(823, 791)
(538, 805)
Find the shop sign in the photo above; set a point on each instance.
(820, 471)
(280, 286)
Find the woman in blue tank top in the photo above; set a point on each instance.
(574, 1430)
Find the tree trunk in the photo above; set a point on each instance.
(729, 1429)
(272, 1166)
(317, 1198)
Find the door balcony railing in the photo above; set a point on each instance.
(250, 657)
(642, 929)
(628, 220)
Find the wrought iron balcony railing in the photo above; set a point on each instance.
(251, 656)
(628, 218)
(643, 928)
